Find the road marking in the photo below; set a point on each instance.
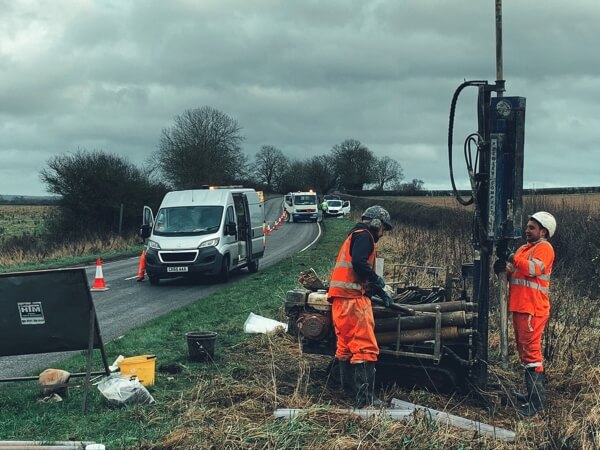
(316, 239)
(131, 278)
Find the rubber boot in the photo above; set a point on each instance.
(364, 382)
(536, 393)
(347, 378)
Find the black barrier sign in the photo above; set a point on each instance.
(45, 311)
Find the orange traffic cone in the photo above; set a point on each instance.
(142, 266)
(99, 284)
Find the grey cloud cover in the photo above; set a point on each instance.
(300, 75)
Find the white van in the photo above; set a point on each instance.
(337, 208)
(204, 232)
(301, 206)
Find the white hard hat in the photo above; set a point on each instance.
(546, 220)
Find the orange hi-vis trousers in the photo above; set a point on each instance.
(355, 329)
(528, 337)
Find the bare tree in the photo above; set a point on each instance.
(321, 173)
(295, 177)
(413, 187)
(269, 165)
(387, 172)
(354, 164)
(202, 147)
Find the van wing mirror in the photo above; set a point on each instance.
(346, 204)
(145, 231)
(230, 229)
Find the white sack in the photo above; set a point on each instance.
(258, 324)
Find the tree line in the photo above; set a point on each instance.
(202, 147)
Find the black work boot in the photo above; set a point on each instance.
(347, 378)
(364, 382)
(536, 393)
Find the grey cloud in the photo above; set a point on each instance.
(299, 75)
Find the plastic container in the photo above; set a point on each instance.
(142, 367)
(201, 345)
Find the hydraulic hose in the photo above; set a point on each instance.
(459, 198)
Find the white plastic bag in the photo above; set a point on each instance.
(258, 324)
(119, 390)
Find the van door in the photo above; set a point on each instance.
(148, 217)
(256, 235)
(231, 241)
(147, 223)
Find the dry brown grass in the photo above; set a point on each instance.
(233, 409)
(575, 202)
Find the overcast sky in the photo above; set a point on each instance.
(297, 74)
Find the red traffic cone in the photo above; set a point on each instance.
(142, 266)
(99, 284)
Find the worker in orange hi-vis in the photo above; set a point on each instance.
(528, 271)
(351, 310)
(142, 267)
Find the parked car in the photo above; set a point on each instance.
(337, 208)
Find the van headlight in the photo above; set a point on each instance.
(153, 244)
(210, 243)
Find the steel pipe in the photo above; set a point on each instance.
(420, 335)
(453, 318)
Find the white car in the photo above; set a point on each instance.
(337, 208)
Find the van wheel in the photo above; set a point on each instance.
(224, 274)
(253, 266)
(154, 280)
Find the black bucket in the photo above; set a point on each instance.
(201, 345)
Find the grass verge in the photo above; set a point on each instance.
(179, 383)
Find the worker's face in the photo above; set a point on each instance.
(533, 231)
(379, 234)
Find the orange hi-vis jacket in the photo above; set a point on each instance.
(530, 279)
(344, 281)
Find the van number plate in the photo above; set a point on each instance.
(177, 269)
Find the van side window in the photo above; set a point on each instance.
(230, 218)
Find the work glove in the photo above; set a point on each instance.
(379, 283)
(511, 258)
(387, 300)
(499, 266)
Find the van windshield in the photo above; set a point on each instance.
(188, 220)
(305, 199)
(334, 203)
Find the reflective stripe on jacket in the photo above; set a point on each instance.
(530, 279)
(344, 281)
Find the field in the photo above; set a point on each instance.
(23, 247)
(573, 201)
(17, 220)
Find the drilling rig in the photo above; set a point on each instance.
(436, 334)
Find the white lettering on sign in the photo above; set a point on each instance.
(31, 313)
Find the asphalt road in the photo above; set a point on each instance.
(129, 303)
